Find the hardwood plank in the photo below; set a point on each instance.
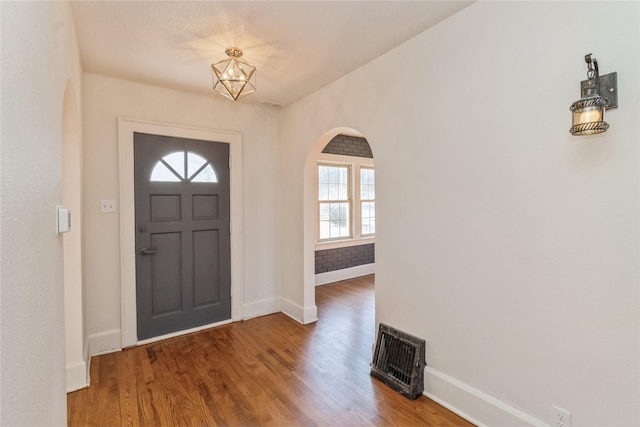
(268, 371)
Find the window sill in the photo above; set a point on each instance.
(343, 243)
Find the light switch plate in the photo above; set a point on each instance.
(107, 205)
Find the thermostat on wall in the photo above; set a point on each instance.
(64, 220)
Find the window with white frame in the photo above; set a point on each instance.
(334, 201)
(183, 166)
(346, 200)
(367, 201)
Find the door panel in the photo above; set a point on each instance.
(166, 207)
(166, 280)
(205, 267)
(205, 207)
(182, 202)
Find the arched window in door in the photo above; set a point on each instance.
(183, 166)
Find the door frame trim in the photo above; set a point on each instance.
(126, 129)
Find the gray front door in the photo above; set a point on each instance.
(183, 262)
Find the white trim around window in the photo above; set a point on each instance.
(354, 164)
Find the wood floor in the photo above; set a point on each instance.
(268, 371)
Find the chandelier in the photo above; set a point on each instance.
(233, 77)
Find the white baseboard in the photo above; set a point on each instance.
(344, 274)
(87, 357)
(291, 309)
(105, 342)
(79, 373)
(304, 315)
(472, 404)
(262, 308)
(76, 376)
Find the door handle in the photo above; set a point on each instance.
(145, 251)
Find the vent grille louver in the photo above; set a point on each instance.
(399, 361)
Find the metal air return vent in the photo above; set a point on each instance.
(399, 361)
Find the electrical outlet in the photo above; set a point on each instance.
(561, 417)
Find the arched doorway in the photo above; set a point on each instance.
(309, 221)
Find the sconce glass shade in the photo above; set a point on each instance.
(588, 113)
(234, 78)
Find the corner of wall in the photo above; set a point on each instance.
(303, 315)
(105, 342)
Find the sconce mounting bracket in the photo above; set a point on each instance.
(607, 86)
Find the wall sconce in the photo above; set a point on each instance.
(599, 93)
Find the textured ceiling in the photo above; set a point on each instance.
(297, 46)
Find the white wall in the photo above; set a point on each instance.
(75, 336)
(106, 99)
(38, 59)
(516, 242)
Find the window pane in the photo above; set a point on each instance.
(343, 211)
(176, 161)
(206, 175)
(334, 229)
(343, 191)
(367, 184)
(333, 182)
(369, 227)
(344, 228)
(323, 174)
(342, 220)
(366, 193)
(333, 202)
(343, 174)
(171, 168)
(161, 173)
(333, 174)
(365, 226)
(367, 206)
(334, 220)
(368, 218)
(324, 230)
(194, 162)
(323, 192)
(324, 212)
(333, 191)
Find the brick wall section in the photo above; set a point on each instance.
(345, 145)
(340, 258)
